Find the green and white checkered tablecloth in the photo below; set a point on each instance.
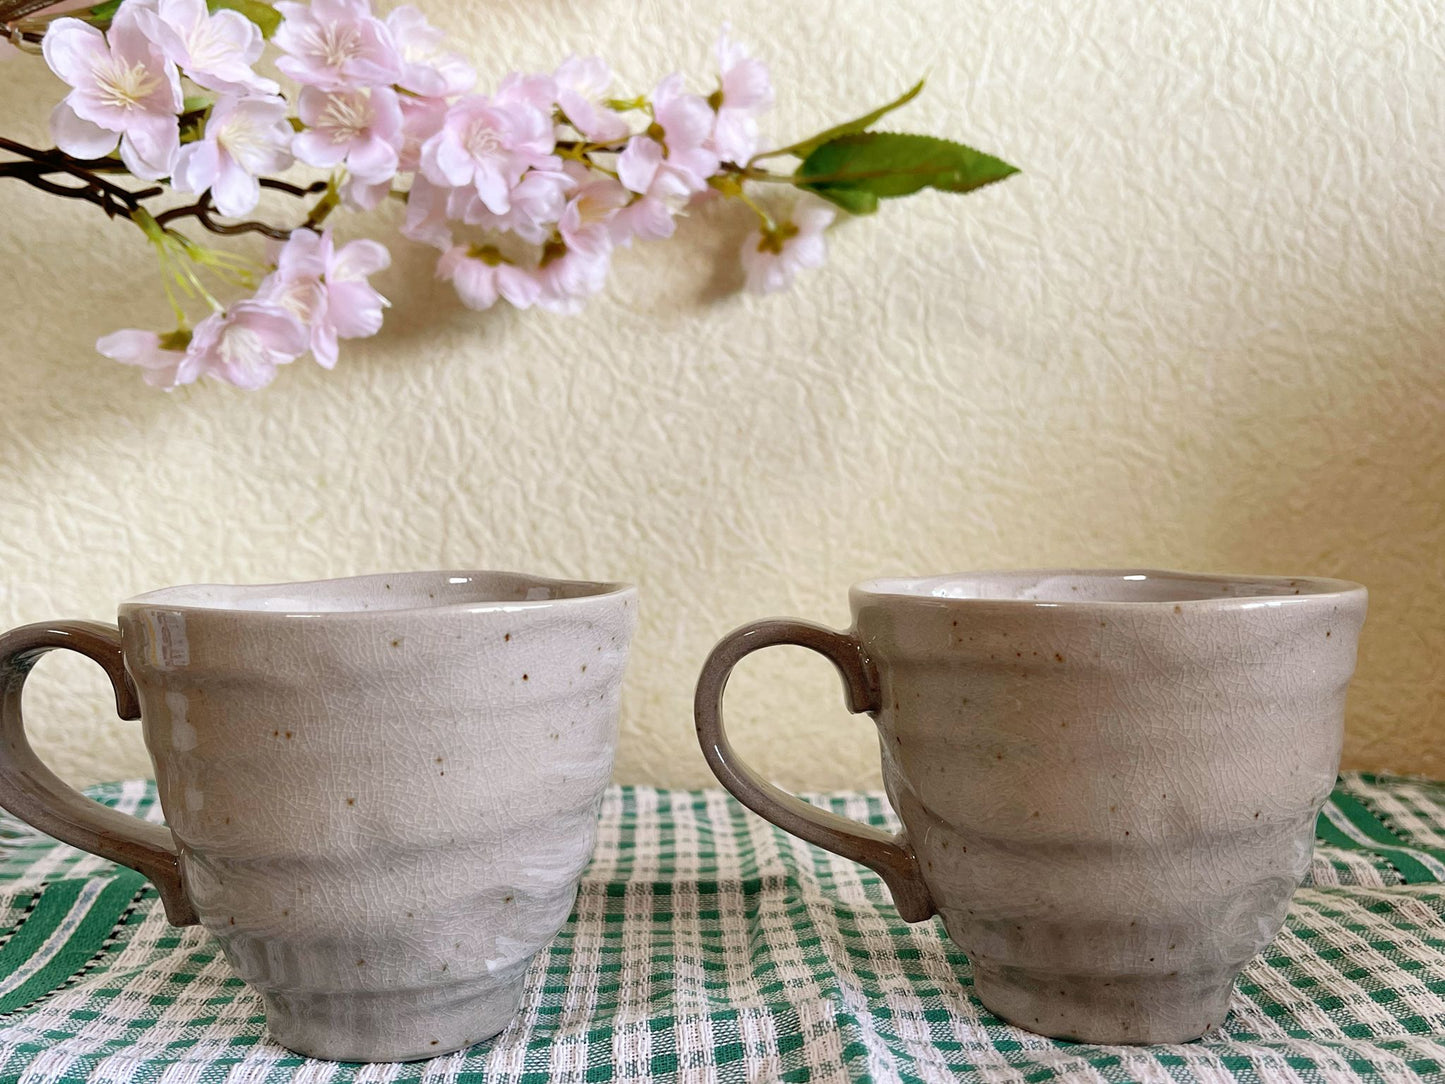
(707, 945)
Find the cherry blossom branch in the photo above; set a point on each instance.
(295, 189)
(118, 202)
(201, 212)
(25, 21)
(12, 11)
(41, 163)
(525, 191)
(203, 208)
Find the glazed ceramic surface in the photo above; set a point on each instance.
(382, 790)
(1108, 780)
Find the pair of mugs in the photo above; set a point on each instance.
(382, 791)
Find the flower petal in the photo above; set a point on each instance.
(323, 344)
(637, 165)
(475, 282)
(182, 16)
(492, 187)
(358, 260)
(73, 50)
(735, 136)
(649, 218)
(813, 216)
(150, 147)
(311, 105)
(282, 333)
(357, 195)
(687, 120)
(747, 85)
(520, 289)
(130, 346)
(355, 309)
(445, 161)
(79, 137)
(316, 148)
(235, 191)
(372, 160)
(301, 256)
(196, 167)
(809, 251)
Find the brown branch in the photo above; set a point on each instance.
(26, 21)
(14, 10)
(201, 212)
(116, 201)
(57, 161)
(34, 176)
(294, 189)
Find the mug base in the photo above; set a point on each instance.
(390, 1025)
(1107, 1009)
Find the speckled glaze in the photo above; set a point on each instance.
(382, 790)
(1108, 780)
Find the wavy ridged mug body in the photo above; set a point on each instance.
(1108, 781)
(383, 790)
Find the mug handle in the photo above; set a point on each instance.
(890, 856)
(36, 795)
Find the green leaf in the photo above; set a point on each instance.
(259, 12)
(856, 201)
(102, 13)
(805, 147)
(858, 170)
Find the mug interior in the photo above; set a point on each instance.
(1054, 587)
(379, 593)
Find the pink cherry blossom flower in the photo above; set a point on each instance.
(245, 344)
(426, 214)
(646, 217)
(587, 224)
(566, 277)
(336, 45)
(215, 51)
(421, 118)
(537, 204)
(538, 91)
(428, 68)
(358, 195)
(164, 358)
(672, 159)
(488, 143)
(361, 128)
(244, 139)
(326, 288)
(582, 84)
(771, 258)
(123, 89)
(744, 91)
(481, 275)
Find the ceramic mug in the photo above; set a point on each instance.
(1108, 780)
(381, 792)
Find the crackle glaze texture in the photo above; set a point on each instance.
(1110, 782)
(383, 790)
(1204, 328)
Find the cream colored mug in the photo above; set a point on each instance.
(380, 792)
(1108, 780)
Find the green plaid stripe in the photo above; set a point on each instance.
(707, 945)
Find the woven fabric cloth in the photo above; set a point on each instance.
(707, 945)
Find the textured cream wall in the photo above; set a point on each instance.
(1206, 328)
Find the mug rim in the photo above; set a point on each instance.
(188, 598)
(1284, 590)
